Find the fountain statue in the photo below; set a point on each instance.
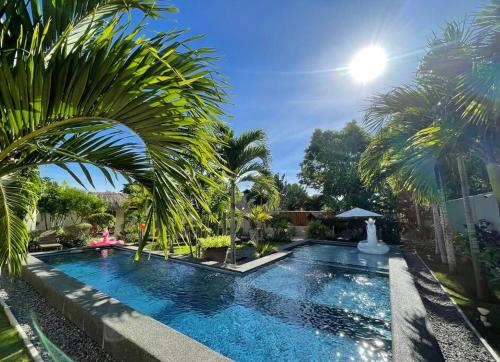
(372, 245)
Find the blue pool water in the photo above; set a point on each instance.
(323, 303)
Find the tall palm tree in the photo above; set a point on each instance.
(263, 192)
(449, 59)
(398, 117)
(478, 93)
(245, 157)
(80, 86)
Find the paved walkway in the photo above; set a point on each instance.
(455, 338)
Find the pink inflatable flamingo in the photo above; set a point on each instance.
(106, 240)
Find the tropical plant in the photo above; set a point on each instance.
(245, 156)
(391, 156)
(435, 131)
(62, 202)
(263, 249)
(478, 91)
(101, 220)
(76, 235)
(280, 224)
(263, 192)
(258, 216)
(295, 197)
(316, 230)
(77, 80)
(215, 241)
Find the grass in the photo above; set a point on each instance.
(461, 288)
(11, 345)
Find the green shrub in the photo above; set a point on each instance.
(490, 260)
(130, 234)
(215, 241)
(75, 235)
(264, 249)
(101, 220)
(316, 230)
(280, 225)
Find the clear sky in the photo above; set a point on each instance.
(286, 60)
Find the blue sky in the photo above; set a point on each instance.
(285, 60)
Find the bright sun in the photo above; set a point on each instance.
(368, 64)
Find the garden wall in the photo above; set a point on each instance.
(484, 206)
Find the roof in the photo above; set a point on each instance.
(114, 199)
(358, 212)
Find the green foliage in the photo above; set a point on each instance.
(257, 215)
(215, 241)
(76, 235)
(264, 249)
(63, 201)
(130, 233)
(316, 230)
(137, 205)
(263, 192)
(295, 197)
(101, 220)
(83, 84)
(330, 166)
(490, 260)
(280, 225)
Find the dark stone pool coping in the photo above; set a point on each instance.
(129, 335)
(124, 333)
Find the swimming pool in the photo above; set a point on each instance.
(321, 303)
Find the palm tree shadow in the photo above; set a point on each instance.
(422, 342)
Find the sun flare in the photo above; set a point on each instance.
(368, 64)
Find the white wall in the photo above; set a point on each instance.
(484, 206)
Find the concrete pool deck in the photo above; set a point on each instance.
(127, 334)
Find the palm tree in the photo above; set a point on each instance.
(478, 91)
(263, 192)
(392, 154)
(80, 86)
(449, 59)
(258, 216)
(245, 156)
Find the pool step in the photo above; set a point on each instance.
(350, 267)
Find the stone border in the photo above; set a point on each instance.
(463, 315)
(412, 336)
(30, 348)
(226, 268)
(120, 330)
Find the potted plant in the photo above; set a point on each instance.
(215, 247)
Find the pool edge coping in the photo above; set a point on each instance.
(118, 329)
(412, 335)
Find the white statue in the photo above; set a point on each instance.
(371, 232)
(371, 245)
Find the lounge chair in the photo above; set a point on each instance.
(47, 240)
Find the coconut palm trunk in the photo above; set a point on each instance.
(443, 213)
(417, 214)
(471, 230)
(224, 223)
(232, 225)
(448, 242)
(438, 232)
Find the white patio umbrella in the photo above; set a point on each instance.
(358, 213)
